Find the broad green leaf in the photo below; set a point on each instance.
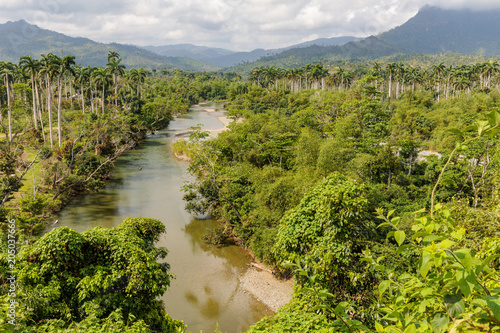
(458, 234)
(492, 132)
(399, 236)
(465, 258)
(456, 324)
(482, 126)
(454, 305)
(379, 328)
(426, 291)
(439, 322)
(341, 307)
(411, 329)
(402, 248)
(471, 128)
(382, 287)
(494, 305)
(466, 282)
(494, 118)
(432, 238)
(446, 244)
(426, 263)
(395, 220)
(456, 131)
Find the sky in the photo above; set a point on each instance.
(239, 25)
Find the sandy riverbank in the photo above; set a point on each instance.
(264, 286)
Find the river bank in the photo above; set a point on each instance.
(263, 285)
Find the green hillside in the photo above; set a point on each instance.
(21, 38)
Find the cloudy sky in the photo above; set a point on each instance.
(240, 25)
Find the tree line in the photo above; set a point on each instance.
(394, 78)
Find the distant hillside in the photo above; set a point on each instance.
(189, 50)
(431, 31)
(327, 41)
(365, 49)
(226, 58)
(435, 30)
(21, 38)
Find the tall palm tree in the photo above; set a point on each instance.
(65, 67)
(391, 70)
(49, 69)
(116, 69)
(30, 65)
(101, 78)
(437, 69)
(7, 71)
(490, 68)
(82, 76)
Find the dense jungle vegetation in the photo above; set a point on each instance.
(376, 189)
(375, 186)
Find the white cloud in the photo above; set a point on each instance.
(233, 24)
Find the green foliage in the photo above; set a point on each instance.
(81, 280)
(450, 290)
(330, 216)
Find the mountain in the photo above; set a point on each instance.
(226, 58)
(435, 30)
(189, 50)
(21, 38)
(364, 49)
(327, 41)
(431, 31)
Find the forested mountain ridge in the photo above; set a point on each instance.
(432, 30)
(20, 38)
(435, 30)
(365, 49)
(224, 58)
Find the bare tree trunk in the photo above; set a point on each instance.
(49, 108)
(7, 85)
(59, 124)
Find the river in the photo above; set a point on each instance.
(146, 182)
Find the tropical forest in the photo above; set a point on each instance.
(336, 195)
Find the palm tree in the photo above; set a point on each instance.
(30, 65)
(65, 68)
(113, 55)
(376, 71)
(7, 71)
(490, 68)
(256, 74)
(305, 71)
(116, 69)
(319, 73)
(101, 78)
(437, 70)
(391, 69)
(462, 83)
(81, 79)
(400, 73)
(49, 69)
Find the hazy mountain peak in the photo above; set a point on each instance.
(434, 30)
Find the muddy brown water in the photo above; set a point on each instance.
(146, 183)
